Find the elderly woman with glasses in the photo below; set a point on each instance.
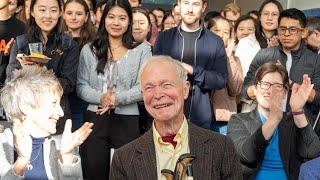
(272, 143)
(31, 101)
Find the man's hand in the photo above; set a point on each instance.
(187, 67)
(230, 46)
(300, 94)
(70, 140)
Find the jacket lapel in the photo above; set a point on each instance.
(145, 161)
(201, 165)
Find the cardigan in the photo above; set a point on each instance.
(90, 84)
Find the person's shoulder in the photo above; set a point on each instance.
(144, 46)
(169, 33)
(132, 146)
(205, 134)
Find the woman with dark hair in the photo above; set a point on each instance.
(141, 27)
(44, 29)
(248, 36)
(269, 13)
(108, 81)
(77, 21)
(273, 143)
(224, 101)
(168, 22)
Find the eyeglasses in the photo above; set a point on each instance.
(292, 30)
(266, 85)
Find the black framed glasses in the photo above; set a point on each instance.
(266, 85)
(292, 30)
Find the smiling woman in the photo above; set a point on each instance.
(44, 28)
(32, 103)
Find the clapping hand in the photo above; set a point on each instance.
(70, 141)
(187, 67)
(275, 105)
(107, 101)
(230, 46)
(23, 146)
(300, 94)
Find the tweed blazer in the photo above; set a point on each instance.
(54, 168)
(245, 130)
(215, 157)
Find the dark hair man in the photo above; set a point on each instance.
(164, 88)
(203, 56)
(294, 55)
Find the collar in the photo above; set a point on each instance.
(298, 52)
(181, 134)
(202, 29)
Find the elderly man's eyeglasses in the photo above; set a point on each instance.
(292, 30)
(266, 85)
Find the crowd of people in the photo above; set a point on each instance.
(118, 91)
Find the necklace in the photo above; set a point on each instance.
(29, 166)
(115, 48)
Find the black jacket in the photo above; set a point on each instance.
(304, 61)
(209, 71)
(245, 130)
(64, 65)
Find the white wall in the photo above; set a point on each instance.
(304, 4)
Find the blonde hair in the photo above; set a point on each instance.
(27, 86)
(234, 8)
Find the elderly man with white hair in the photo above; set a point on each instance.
(31, 101)
(172, 138)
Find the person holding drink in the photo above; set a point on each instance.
(108, 81)
(46, 45)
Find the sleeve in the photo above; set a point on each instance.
(84, 90)
(235, 76)
(117, 171)
(13, 62)
(216, 77)
(316, 82)
(250, 147)
(68, 72)
(71, 171)
(11, 175)
(308, 143)
(257, 61)
(231, 167)
(133, 94)
(157, 49)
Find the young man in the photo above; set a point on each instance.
(294, 55)
(203, 56)
(164, 88)
(10, 28)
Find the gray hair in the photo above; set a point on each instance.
(27, 86)
(165, 59)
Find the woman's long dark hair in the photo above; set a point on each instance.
(257, 31)
(101, 44)
(34, 33)
(87, 31)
